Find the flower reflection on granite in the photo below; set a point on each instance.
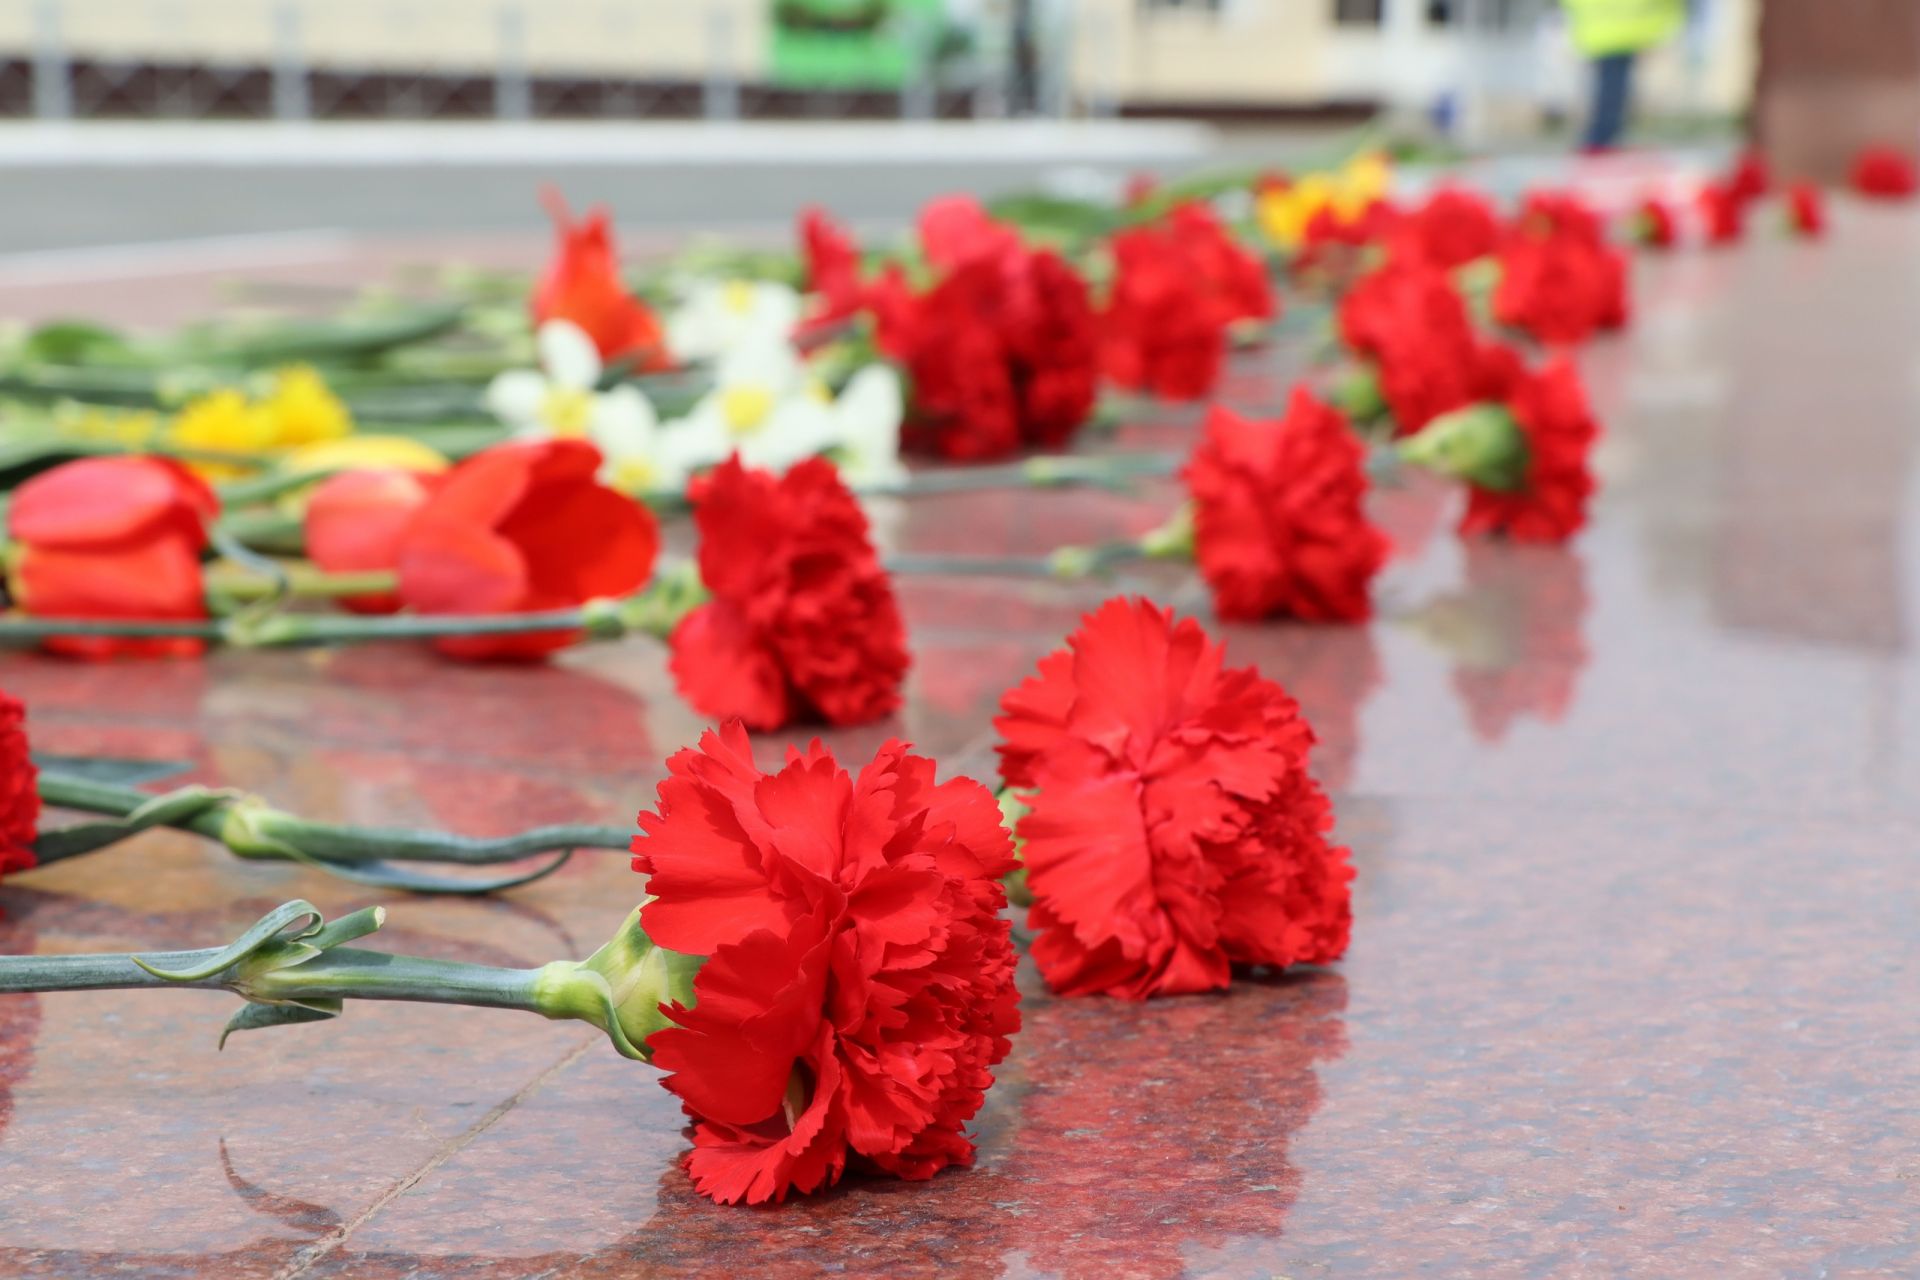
(1516, 632)
(1143, 1158)
(1330, 671)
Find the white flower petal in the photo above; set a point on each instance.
(515, 397)
(623, 415)
(568, 354)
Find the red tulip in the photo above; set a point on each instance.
(356, 521)
(112, 537)
(523, 528)
(582, 285)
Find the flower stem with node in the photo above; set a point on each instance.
(249, 828)
(1171, 541)
(655, 611)
(292, 966)
(1480, 444)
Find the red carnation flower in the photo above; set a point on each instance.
(1454, 227)
(582, 285)
(1550, 409)
(858, 983)
(1560, 288)
(19, 789)
(1280, 526)
(957, 229)
(833, 267)
(523, 528)
(1750, 178)
(1655, 225)
(1546, 214)
(1163, 329)
(112, 538)
(1725, 214)
(1806, 210)
(356, 522)
(803, 623)
(1331, 246)
(1001, 353)
(1233, 274)
(1173, 829)
(1409, 319)
(1886, 173)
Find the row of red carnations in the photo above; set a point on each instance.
(820, 963)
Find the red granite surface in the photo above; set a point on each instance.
(1633, 978)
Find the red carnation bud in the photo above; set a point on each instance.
(1725, 214)
(1280, 526)
(582, 285)
(19, 789)
(1886, 173)
(1655, 225)
(1806, 210)
(802, 625)
(523, 528)
(1750, 178)
(1173, 830)
(356, 521)
(112, 537)
(857, 988)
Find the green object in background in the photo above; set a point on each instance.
(853, 44)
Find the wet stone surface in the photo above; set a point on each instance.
(1632, 981)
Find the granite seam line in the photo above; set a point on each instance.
(311, 1254)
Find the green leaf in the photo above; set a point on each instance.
(73, 342)
(253, 1017)
(121, 770)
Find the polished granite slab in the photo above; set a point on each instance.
(1633, 977)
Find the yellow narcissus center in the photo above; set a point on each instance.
(567, 411)
(746, 408)
(634, 474)
(738, 296)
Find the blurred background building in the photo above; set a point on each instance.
(1474, 67)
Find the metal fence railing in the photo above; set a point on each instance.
(512, 59)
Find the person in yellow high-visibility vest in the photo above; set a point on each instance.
(1612, 33)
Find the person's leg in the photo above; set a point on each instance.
(1612, 92)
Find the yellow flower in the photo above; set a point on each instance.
(1365, 179)
(1284, 212)
(303, 409)
(373, 451)
(222, 422)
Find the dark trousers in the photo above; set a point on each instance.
(1612, 92)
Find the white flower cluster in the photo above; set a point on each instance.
(766, 404)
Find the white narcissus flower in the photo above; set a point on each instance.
(719, 317)
(766, 406)
(562, 402)
(867, 420)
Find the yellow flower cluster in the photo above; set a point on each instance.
(299, 409)
(1284, 212)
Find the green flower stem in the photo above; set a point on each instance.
(302, 580)
(656, 611)
(266, 488)
(1171, 541)
(291, 966)
(1109, 471)
(250, 829)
